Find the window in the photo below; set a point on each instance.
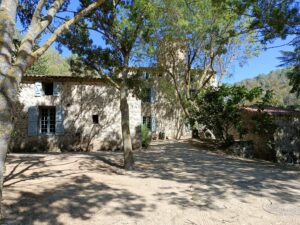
(47, 120)
(147, 122)
(147, 96)
(147, 76)
(48, 88)
(95, 119)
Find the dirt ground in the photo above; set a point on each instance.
(174, 183)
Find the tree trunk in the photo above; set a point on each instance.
(124, 108)
(126, 137)
(7, 83)
(6, 127)
(180, 98)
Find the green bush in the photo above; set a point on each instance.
(219, 109)
(146, 136)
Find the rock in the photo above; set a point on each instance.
(243, 149)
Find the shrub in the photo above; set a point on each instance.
(146, 136)
(218, 109)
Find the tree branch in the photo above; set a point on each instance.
(65, 26)
(37, 11)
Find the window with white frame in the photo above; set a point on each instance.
(47, 88)
(147, 96)
(150, 122)
(146, 76)
(147, 122)
(47, 120)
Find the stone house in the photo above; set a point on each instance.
(64, 113)
(161, 114)
(161, 111)
(73, 113)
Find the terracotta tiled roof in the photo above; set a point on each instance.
(60, 78)
(277, 111)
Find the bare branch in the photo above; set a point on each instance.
(37, 26)
(65, 26)
(37, 11)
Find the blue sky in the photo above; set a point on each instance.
(263, 64)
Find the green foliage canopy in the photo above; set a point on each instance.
(272, 19)
(119, 28)
(292, 59)
(50, 63)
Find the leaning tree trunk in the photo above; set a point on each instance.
(7, 83)
(126, 137)
(6, 127)
(5, 132)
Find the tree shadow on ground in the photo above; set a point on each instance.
(80, 198)
(63, 189)
(212, 177)
(27, 167)
(63, 185)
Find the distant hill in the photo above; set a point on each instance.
(50, 63)
(279, 83)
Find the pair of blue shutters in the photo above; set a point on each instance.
(38, 89)
(34, 125)
(151, 96)
(33, 112)
(152, 122)
(152, 91)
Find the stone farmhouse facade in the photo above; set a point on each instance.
(65, 113)
(75, 113)
(61, 113)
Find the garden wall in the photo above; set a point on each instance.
(284, 144)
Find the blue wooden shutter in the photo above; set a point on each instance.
(153, 124)
(33, 118)
(153, 95)
(59, 120)
(56, 88)
(146, 76)
(38, 89)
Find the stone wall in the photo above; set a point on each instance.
(80, 102)
(283, 145)
(167, 111)
(287, 139)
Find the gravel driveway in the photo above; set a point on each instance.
(174, 183)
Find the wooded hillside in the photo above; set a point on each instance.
(278, 82)
(51, 63)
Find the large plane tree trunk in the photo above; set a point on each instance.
(6, 127)
(126, 137)
(7, 82)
